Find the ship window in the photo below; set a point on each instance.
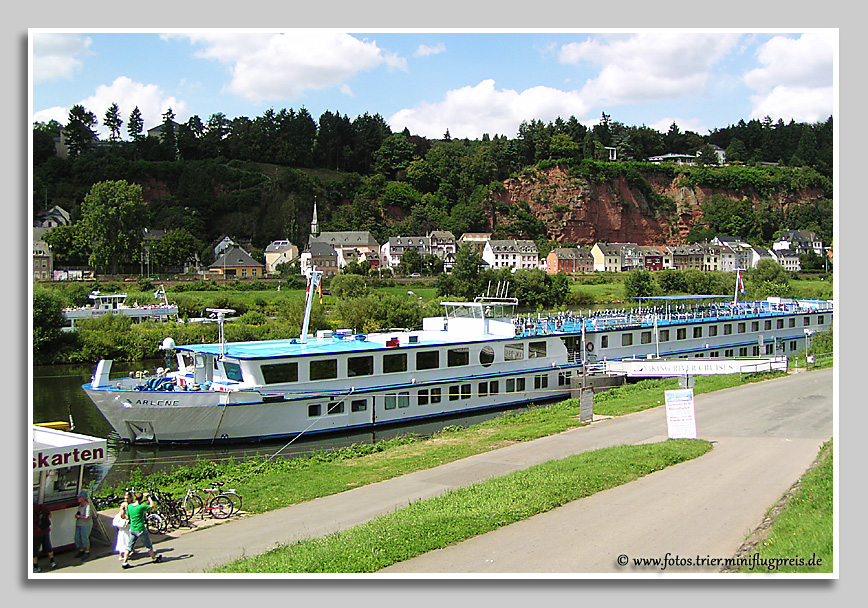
(453, 393)
(513, 352)
(604, 341)
(428, 359)
(792, 321)
(394, 363)
(767, 324)
(626, 339)
(754, 326)
(645, 337)
(335, 407)
(664, 335)
(359, 405)
(780, 324)
(275, 373)
(435, 395)
(486, 356)
(727, 329)
(404, 399)
(422, 397)
(458, 356)
(390, 401)
(681, 333)
(465, 391)
(314, 410)
(360, 366)
(712, 330)
(741, 328)
(233, 371)
(564, 378)
(536, 350)
(742, 352)
(697, 332)
(806, 321)
(821, 319)
(483, 389)
(493, 387)
(540, 381)
(324, 369)
(510, 385)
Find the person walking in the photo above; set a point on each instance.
(42, 536)
(138, 513)
(123, 538)
(83, 525)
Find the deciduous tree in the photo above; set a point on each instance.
(112, 216)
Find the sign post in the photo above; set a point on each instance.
(586, 405)
(680, 414)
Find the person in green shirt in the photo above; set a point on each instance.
(138, 513)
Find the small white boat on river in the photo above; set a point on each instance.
(478, 356)
(115, 304)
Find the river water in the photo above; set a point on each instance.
(57, 396)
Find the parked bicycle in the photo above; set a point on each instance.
(233, 495)
(209, 500)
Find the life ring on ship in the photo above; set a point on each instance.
(590, 347)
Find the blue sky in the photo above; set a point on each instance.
(469, 82)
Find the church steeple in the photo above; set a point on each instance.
(314, 226)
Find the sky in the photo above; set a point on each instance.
(466, 82)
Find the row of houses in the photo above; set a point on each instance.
(332, 251)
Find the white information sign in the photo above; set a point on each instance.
(681, 414)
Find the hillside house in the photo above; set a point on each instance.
(609, 257)
(279, 252)
(43, 258)
(321, 256)
(236, 263)
(569, 260)
(511, 253)
(800, 241)
(393, 250)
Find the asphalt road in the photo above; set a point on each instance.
(765, 436)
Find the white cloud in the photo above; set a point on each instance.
(473, 110)
(58, 56)
(648, 66)
(802, 104)
(805, 62)
(150, 99)
(424, 50)
(795, 78)
(684, 124)
(279, 67)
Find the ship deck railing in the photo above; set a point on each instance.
(546, 324)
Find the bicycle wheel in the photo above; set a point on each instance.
(220, 507)
(191, 504)
(183, 516)
(155, 524)
(235, 498)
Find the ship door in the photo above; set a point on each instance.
(203, 369)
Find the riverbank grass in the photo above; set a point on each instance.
(804, 528)
(461, 514)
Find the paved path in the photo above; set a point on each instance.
(765, 435)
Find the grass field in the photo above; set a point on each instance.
(460, 514)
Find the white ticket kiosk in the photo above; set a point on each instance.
(61, 462)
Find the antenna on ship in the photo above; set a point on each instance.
(221, 317)
(313, 284)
